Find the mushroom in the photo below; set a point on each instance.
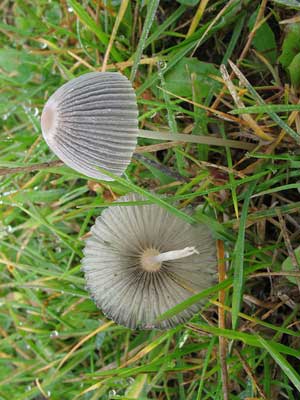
(92, 121)
(141, 260)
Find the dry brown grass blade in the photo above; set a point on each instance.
(246, 48)
(272, 146)
(222, 115)
(157, 147)
(247, 117)
(101, 328)
(81, 61)
(144, 351)
(118, 20)
(30, 168)
(251, 375)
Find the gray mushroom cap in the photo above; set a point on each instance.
(91, 121)
(134, 265)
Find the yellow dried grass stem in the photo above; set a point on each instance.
(247, 117)
(197, 17)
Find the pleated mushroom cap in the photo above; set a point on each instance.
(127, 270)
(91, 122)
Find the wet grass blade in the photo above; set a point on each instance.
(152, 7)
(237, 264)
(286, 367)
(88, 21)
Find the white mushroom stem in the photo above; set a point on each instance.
(174, 255)
(151, 259)
(210, 140)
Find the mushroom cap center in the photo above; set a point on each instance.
(48, 118)
(147, 262)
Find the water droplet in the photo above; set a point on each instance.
(54, 334)
(70, 9)
(5, 116)
(9, 193)
(183, 339)
(48, 393)
(162, 65)
(9, 229)
(28, 388)
(27, 109)
(28, 347)
(20, 323)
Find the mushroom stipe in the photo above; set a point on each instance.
(141, 260)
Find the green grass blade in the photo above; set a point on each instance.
(88, 21)
(150, 196)
(278, 189)
(249, 339)
(152, 7)
(237, 264)
(257, 97)
(286, 367)
(194, 299)
(162, 27)
(266, 109)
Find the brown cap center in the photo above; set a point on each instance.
(48, 118)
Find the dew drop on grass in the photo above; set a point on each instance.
(54, 334)
(183, 339)
(162, 65)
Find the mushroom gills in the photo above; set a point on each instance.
(141, 260)
(91, 122)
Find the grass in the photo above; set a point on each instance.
(54, 342)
